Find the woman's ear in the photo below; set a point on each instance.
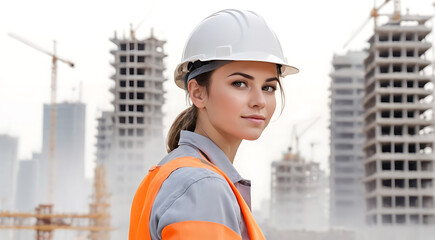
(198, 94)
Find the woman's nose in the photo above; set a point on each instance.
(257, 99)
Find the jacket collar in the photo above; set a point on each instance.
(212, 152)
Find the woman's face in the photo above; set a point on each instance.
(241, 98)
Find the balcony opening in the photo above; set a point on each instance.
(396, 53)
(398, 165)
(140, 96)
(122, 83)
(140, 71)
(130, 108)
(400, 201)
(410, 53)
(413, 201)
(409, 84)
(385, 130)
(410, 98)
(131, 46)
(386, 148)
(386, 165)
(383, 69)
(397, 84)
(131, 95)
(400, 218)
(387, 219)
(426, 183)
(396, 37)
(141, 84)
(410, 69)
(410, 37)
(123, 71)
(383, 54)
(385, 114)
(412, 165)
(397, 98)
(412, 149)
(139, 120)
(413, 218)
(397, 68)
(130, 119)
(141, 46)
(386, 183)
(398, 130)
(130, 132)
(122, 108)
(412, 183)
(421, 84)
(121, 119)
(427, 202)
(387, 202)
(385, 98)
(139, 108)
(383, 38)
(140, 59)
(410, 114)
(397, 114)
(427, 166)
(122, 95)
(411, 130)
(399, 183)
(123, 47)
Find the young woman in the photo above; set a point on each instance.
(231, 68)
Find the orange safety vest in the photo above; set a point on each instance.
(146, 193)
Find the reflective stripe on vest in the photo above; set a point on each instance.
(147, 191)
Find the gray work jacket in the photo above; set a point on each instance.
(195, 194)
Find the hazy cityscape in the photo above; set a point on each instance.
(350, 158)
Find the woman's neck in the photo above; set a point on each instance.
(228, 144)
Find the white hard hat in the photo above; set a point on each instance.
(232, 35)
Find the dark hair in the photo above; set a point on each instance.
(186, 120)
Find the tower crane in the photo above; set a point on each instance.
(375, 14)
(52, 136)
(296, 136)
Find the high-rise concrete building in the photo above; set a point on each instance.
(399, 146)
(27, 177)
(346, 139)
(69, 194)
(8, 168)
(137, 141)
(299, 194)
(104, 137)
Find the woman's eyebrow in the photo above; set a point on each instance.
(251, 77)
(272, 79)
(242, 74)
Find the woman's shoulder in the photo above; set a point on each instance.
(189, 181)
(188, 194)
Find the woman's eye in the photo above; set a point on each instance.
(239, 84)
(269, 88)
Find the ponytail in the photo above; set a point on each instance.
(185, 121)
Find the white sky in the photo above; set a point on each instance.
(310, 33)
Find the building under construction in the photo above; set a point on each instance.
(133, 137)
(299, 198)
(399, 164)
(346, 127)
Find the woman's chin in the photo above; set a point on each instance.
(252, 136)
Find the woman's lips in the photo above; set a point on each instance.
(256, 119)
